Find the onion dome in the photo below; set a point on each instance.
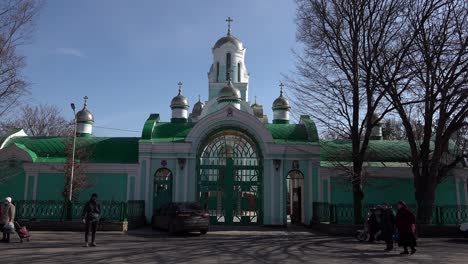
(179, 101)
(257, 109)
(84, 115)
(229, 38)
(281, 102)
(229, 93)
(198, 107)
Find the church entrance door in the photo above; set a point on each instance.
(229, 178)
(162, 187)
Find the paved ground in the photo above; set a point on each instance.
(245, 245)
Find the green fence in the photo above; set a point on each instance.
(344, 213)
(111, 211)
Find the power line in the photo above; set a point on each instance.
(119, 129)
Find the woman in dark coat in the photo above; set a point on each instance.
(406, 225)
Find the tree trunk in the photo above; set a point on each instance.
(425, 197)
(358, 206)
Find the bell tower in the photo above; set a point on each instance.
(228, 65)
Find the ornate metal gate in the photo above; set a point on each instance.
(230, 171)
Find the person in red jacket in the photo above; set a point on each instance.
(406, 225)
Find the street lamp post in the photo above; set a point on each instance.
(73, 154)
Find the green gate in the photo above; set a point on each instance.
(162, 187)
(229, 167)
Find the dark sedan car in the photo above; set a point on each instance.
(177, 217)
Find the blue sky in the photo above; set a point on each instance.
(128, 56)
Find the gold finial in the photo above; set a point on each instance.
(281, 88)
(85, 100)
(180, 87)
(199, 98)
(229, 20)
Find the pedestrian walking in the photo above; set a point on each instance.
(387, 226)
(91, 214)
(7, 219)
(406, 225)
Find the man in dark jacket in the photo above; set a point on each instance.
(91, 214)
(388, 226)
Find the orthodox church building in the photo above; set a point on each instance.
(223, 153)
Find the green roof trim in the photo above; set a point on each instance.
(31, 153)
(179, 120)
(149, 126)
(280, 121)
(102, 149)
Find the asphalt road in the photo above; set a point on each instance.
(244, 245)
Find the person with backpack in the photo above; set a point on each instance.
(91, 214)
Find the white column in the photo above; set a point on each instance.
(35, 187)
(281, 183)
(465, 183)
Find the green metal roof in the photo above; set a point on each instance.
(288, 133)
(102, 149)
(155, 131)
(387, 151)
(378, 151)
(171, 132)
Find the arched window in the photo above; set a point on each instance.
(228, 66)
(238, 72)
(217, 72)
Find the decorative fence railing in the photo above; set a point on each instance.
(344, 213)
(111, 211)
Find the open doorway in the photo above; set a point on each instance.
(294, 197)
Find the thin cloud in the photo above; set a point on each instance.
(71, 52)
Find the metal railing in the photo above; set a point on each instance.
(344, 213)
(111, 211)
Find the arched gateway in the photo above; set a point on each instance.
(229, 173)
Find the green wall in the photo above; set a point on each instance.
(390, 190)
(109, 187)
(13, 187)
(50, 186)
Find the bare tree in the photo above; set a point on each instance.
(434, 76)
(81, 180)
(342, 42)
(41, 120)
(16, 21)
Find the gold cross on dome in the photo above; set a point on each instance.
(281, 87)
(180, 87)
(229, 20)
(85, 100)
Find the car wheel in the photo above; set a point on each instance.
(361, 236)
(203, 231)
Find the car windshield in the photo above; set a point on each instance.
(189, 207)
